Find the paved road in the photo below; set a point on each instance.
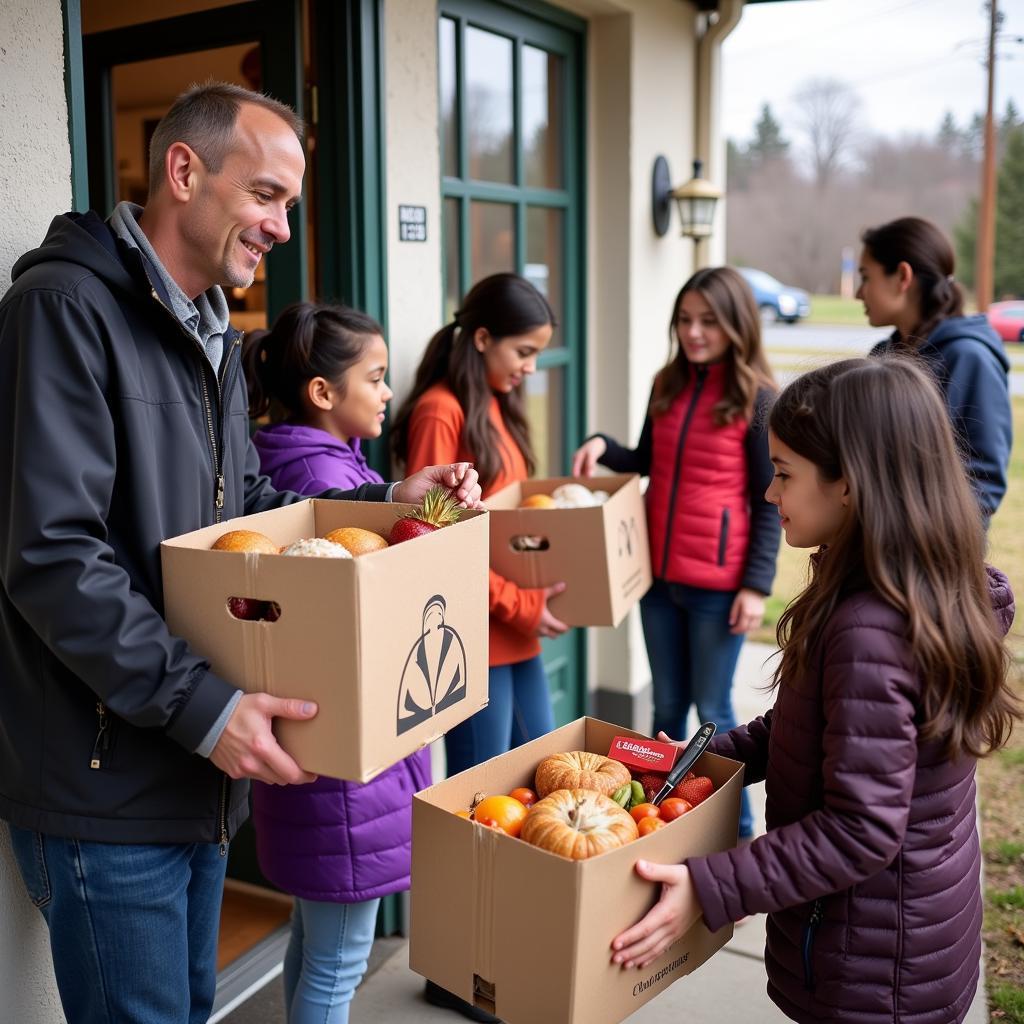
(794, 348)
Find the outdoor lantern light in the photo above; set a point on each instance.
(696, 201)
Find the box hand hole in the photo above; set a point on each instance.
(253, 609)
(526, 542)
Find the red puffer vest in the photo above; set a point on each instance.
(697, 503)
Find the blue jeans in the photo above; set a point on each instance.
(519, 710)
(133, 927)
(326, 959)
(693, 657)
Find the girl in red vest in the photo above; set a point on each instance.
(713, 536)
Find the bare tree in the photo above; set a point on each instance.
(828, 114)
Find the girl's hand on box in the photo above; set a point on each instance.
(549, 626)
(747, 611)
(585, 459)
(675, 913)
(459, 477)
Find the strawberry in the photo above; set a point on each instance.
(694, 789)
(652, 783)
(439, 509)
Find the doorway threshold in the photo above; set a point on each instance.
(249, 973)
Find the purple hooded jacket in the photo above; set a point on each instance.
(332, 840)
(869, 872)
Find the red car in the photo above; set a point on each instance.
(1007, 319)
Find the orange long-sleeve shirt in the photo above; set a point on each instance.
(435, 437)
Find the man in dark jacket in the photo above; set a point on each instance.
(123, 421)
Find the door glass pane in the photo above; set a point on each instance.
(542, 130)
(489, 105)
(492, 237)
(449, 99)
(452, 241)
(545, 409)
(543, 266)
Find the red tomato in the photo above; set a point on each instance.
(674, 807)
(642, 811)
(647, 825)
(525, 796)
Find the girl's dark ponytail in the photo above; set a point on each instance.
(922, 245)
(307, 340)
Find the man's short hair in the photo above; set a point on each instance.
(203, 117)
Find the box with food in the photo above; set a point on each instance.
(523, 873)
(376, 611)
(590, 532)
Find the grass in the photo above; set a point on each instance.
(1000, 777)
(832, 309)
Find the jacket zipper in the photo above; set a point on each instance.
(102, 742)
(899, 942)
(809, 931)
(218, 469)
(224, 838)
(698, 386)
(723, 537)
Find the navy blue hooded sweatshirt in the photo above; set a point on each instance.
(967, 357)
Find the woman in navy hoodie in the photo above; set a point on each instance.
(907, 282)
(336, 846)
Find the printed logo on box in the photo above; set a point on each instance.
(629, 537)
(648, 755)
(434, 676)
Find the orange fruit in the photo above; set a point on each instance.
(462, 814)
(244, 540)
(538, 501)
(357, 541)
(505, 812)
(649, 825)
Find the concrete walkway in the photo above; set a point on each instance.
(728, 989)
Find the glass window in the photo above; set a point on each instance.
(543, 266)
(449, 99)
(492, 239)
(489, 105)
(542, 130)
(545, 410)
(452, 234)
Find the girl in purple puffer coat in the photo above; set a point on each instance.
(336, 846)
(892, 683)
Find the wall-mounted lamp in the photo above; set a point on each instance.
(695, 200)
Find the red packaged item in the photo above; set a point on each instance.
(646, 755)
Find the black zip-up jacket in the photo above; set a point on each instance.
(115, 433)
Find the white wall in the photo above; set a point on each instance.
(413, 156)
(35, 184)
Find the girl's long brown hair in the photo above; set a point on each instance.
(914, 536)
(747, 369)
(505, 305)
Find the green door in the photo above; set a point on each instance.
(511, 95)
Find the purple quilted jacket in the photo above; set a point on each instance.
(343, 842)
(869, 872)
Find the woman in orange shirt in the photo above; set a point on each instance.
(467, 405)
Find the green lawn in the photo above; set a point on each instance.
(831, 309)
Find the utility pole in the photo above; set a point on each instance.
(985, 256)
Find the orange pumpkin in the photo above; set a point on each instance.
(580, 769)
(503, 812)
(578, 823)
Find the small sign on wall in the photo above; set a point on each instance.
(412, 223)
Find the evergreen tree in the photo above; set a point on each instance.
(737, 167)
(767, 143)
(949, 137)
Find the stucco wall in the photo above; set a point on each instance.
(35, 184)
(413, 178)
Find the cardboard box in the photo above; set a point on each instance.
(601, 553)
(526, 934)
(392, 645)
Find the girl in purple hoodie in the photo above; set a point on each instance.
(891, 684)
(336, 846)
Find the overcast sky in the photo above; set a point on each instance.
(908, 60)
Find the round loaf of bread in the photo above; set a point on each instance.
(244, 540)
(578, 823)
(579, 769)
